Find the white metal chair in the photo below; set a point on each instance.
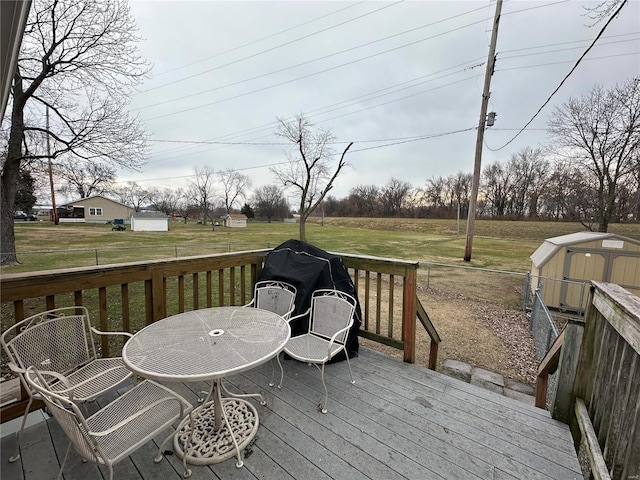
(278, 297)
(61, 340)
(275, 296)
(330, 318)
(117, 429)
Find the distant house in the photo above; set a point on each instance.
(235, 220)
(95, 209)
(149, 222)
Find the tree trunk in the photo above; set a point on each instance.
(303, 233)
(10, 175)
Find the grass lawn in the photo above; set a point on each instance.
(499, 245)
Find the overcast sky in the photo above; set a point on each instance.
(380, 74)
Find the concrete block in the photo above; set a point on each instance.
(521, 397)
(486, 379)
(457, 369)
(518, 386)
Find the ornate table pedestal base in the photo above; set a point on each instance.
(207, 445)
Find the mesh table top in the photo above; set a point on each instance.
(206, 344)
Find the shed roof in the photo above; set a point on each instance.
(551, 245)
(155, 215)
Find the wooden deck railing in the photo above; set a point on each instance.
(598, 382)
(126, 297)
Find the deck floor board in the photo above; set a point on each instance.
(398, 421)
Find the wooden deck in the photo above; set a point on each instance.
(399, 421)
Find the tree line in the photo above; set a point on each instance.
(529, 186)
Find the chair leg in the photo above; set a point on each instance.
(281, 372)
(16, 456)
(323, 406)
(158, 459)
(64, 461)
(349, 364)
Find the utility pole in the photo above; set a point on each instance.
(53, 192)
(491, 61)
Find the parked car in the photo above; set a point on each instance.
(27, 217)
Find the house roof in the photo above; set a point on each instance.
(81, 200)
(551, 245)
(156, 215)
(239, 216)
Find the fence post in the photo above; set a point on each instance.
(96, 250)
(176, 247)
(409, 314)
(527, 287)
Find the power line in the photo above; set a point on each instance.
(565, 78)
(402, 140)
(270, 125)
(280, 70)
(258, 40)
(267, 50)
(335, 67)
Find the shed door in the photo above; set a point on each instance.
(581, 265)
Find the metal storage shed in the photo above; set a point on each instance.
(564, 263)
(149, 222)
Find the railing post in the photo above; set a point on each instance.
(157, 295)
(409, 313)
(561, 406)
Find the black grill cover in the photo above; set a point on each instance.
(309, 268)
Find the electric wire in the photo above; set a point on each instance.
(258, 40)
(264, 51)
(280, 70)
(624, 2)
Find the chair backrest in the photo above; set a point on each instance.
(57, 340)
(331, 311)
(67, 414)
(275, 296)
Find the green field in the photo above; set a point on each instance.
(503, 245)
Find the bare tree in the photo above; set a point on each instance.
(364, 200)
(393, 197)
(234, 187)
(78, 61)
(529, 170)
(497, 186)
(202, 192)
(134, 195)
(270, 202)
(84, 178)
(167, 200)
(600, 131)
(310, 170)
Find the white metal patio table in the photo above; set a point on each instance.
(208, 345)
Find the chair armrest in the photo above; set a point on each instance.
(15, 368)
(299, 316)
(100, 332)
(58, 376)
(287, 315)
(250, 304)
(339, 332)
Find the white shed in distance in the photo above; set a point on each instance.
(149, 222)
